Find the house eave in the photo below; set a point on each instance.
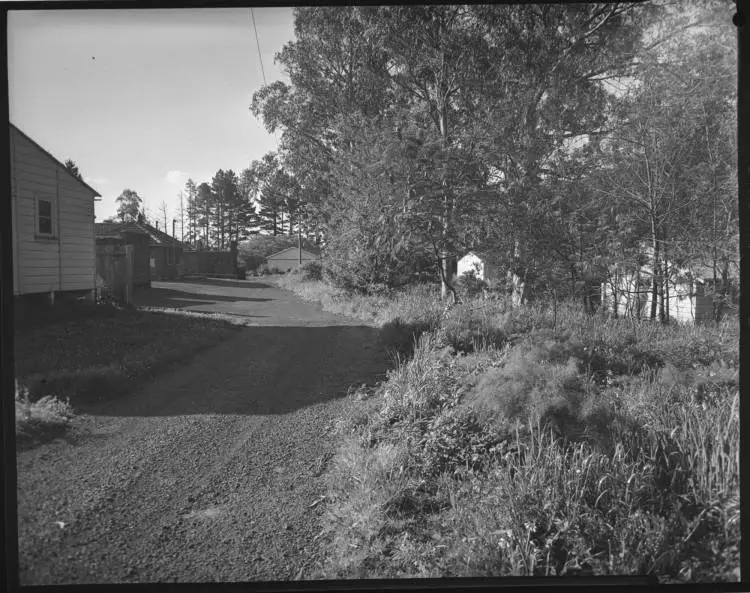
(50, 155)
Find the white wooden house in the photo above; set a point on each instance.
(688, 295)
(54, 250)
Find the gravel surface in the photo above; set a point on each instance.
(213, 471)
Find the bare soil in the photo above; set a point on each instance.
(213, 471)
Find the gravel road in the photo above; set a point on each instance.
(211, 472)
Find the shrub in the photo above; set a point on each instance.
(453, 441)
(312, 271)
(537, 378)
(401, 337)
(586, 442)
(470, 286)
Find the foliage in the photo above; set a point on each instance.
(312, 271)
(73, 168)
(411, 134)
(531, 456)
(129, 205)
(471, 286)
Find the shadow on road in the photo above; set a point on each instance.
(264, 370)
(172, 298)
(222, 282)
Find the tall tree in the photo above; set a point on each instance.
(248, 192)
(670, 160)
(205, 208)
(191, 194)
(129, 205)
(163, 214)
(220, 190)
(334, 71)
(182, 216)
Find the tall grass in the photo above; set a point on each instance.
(540, 442)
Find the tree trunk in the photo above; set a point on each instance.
(655, 263)
(638, 302)
(665, 297)
(446, 252)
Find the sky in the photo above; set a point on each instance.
(144, 99)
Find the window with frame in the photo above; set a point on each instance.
(44, 217)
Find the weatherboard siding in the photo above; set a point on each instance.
(67, 260)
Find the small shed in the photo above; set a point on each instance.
(288, 259)
(52, 222)
(128, 233)
(483, 265)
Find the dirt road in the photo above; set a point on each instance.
(211, 472)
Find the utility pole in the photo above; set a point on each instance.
(299, 241)
(174, 245)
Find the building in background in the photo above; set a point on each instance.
(288, 259)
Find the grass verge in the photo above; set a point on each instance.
(76, 358)
(540, 441)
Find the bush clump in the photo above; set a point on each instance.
(312, 271)
(470, 286)
(555, 443)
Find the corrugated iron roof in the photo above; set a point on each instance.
(311, 251)
(116, 229)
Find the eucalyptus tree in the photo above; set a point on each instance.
(334, 72)
(129, 205)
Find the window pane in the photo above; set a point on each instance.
(45, 226)
(45, 217)
(45, 209)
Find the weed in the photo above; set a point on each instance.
(557, 443)
(42, 419)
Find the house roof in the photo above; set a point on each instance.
(696, 271)
(49, 154)
(116, 229)
(483, 255)
(310, 250)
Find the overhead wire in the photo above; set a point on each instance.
(275, 135)
(262, 70)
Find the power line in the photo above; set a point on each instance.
(276, 138)
(257, 43)
(262, 70)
